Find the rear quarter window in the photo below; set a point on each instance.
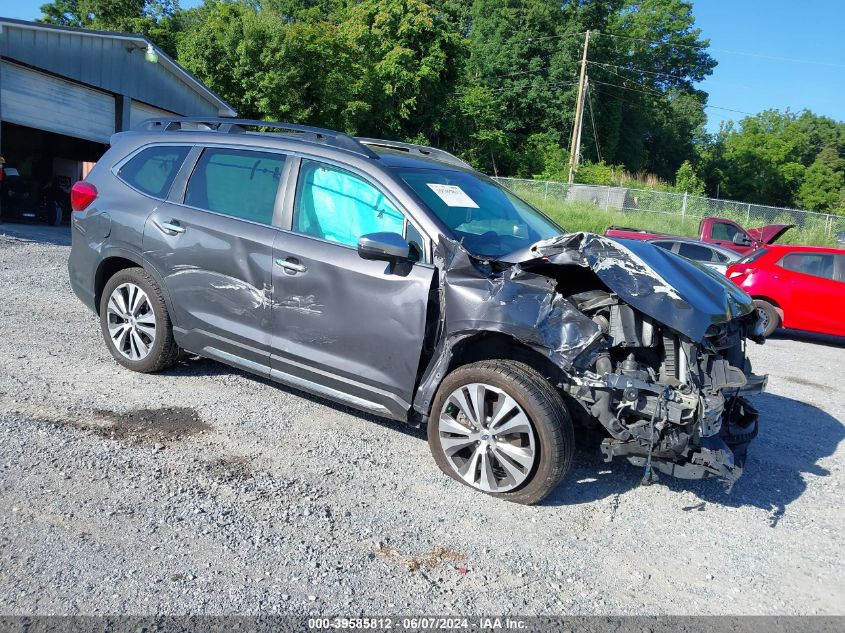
(153, 169)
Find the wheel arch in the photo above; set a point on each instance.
(118, 260)
(487, 345)
(771, 301)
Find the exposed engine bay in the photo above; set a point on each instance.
(669, 403)
(646, 345)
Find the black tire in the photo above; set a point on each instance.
(770, 316)
(164, 352)
(55, 215)
(544, 408)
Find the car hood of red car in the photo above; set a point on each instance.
(769, 233)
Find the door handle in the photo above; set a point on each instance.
(171, 228)
(291, 264)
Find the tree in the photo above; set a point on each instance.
(687, 181)
(268, 67)
(780, 158)
(644, 70)
(823, 186)
(405, 66)
(157, 19)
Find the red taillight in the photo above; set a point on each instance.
(81, 195)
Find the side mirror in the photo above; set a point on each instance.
(740, 239)
(388, 247)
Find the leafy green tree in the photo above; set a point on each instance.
(267, 67)
(779, 158)
(823, 186)
(687, 181)
(405, 67)
(645, 65)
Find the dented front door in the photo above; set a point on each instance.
(345, 327)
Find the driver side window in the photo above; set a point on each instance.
(336, 205)
(724, 231)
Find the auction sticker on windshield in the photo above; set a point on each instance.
(452, 195)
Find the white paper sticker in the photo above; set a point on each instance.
(453, 195)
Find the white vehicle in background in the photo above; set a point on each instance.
(716, 257)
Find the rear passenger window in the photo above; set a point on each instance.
(695, 252)
(152, 170)
(815, 264)
(239, 183)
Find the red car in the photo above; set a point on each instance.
(799, 287)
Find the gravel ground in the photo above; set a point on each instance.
(205, 490)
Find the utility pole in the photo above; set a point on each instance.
(575, 145)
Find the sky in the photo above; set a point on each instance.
(772, 54)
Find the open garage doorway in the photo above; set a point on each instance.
(39, 170)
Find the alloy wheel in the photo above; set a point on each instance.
(131, 321)
(764, 318)
(487, 438)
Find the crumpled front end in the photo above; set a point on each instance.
(669, 403)
(647, 345)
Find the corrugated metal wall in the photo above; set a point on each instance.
(115, 65)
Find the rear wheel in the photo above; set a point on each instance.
(135, 323)
(768, 316)
(501, 428)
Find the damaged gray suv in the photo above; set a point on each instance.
(397, 280)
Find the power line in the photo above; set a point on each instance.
(554, 84)
(644, 91)
(711, 107)
(723, 50)
(635, 69)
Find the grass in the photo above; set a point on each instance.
(585, 216)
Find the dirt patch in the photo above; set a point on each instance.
(437, 556)
(157, 426)
(154, 425)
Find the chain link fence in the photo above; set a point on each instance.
(645, 207)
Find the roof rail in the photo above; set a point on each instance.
(422, 150)
(228, 125)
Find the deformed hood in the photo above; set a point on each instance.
(675, 291)
(768, 234)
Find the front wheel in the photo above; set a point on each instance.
(768, 316)
(498, 426)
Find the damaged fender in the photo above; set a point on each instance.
(653, 351)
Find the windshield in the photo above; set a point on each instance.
(487, 219)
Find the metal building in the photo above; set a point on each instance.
(65, 91)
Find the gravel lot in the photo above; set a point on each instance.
(205, 490)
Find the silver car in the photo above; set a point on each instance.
(713, 256)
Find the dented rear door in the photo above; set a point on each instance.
(213, 251)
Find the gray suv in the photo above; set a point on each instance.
(397, 280)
